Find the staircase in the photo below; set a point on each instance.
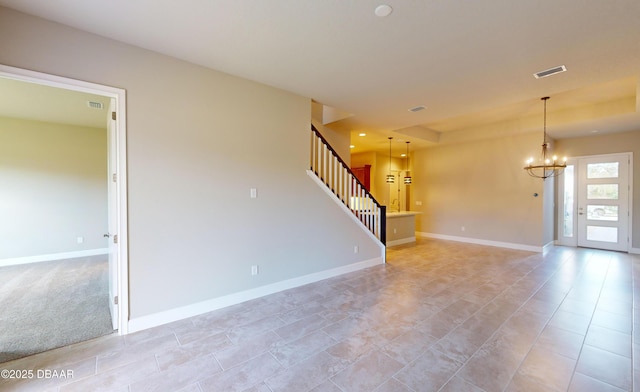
(338, 177)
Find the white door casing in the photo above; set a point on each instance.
(112, 207)
(117, 162)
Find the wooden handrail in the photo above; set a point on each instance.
(346, 186)
(344, 165)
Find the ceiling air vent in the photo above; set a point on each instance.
(95, 105)
(417, 109)
(549, 72)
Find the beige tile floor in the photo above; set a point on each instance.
(440, 316)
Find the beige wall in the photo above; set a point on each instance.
(339, 140)
(370, 158)
(198, 140)
(610, 144)
(482, 187)
(54, 188)
(379, 170)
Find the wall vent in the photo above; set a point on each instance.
(417, 109)
(549, 72)
(95, 105)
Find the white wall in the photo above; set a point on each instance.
(54, 188)
(198, 140)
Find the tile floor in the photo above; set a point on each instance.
(440, 316)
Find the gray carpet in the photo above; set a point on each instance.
(52, 304)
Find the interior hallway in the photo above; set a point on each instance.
(440, 316)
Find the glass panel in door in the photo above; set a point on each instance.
(568, 202)
(603, 197)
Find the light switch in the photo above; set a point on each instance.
(254, 193)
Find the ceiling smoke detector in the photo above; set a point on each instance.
(549, 72)
(95, 105)
(383, 10)
(417, 109)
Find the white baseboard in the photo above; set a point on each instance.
(546, 248)
(156, 319)
(53, 256)
(635, 251)
(498, 244)
(401, 241)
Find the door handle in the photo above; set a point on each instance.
(107, 235)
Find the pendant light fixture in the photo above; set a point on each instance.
(390, 177)
(546, 167)
(407, 177)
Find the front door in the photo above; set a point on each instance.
(603, 202)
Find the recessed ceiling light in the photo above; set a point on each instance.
(383, 10)
(362, 134)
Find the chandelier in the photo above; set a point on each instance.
(547, 167)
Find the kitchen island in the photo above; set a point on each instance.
(401, 227)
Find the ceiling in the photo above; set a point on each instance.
(470, 63)
(50, 104)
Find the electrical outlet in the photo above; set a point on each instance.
(463, 228)
(253, 193)
(80, 240)
(395, 231)
(254, 270)
(356, 249)
(418, 203)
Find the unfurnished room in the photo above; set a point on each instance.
(306, 195)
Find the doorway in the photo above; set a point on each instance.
(594, 202)
(117, 201)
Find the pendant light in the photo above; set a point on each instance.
(407, 177)
(390, 177)
(546, 167)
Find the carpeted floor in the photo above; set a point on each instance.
(52, 304)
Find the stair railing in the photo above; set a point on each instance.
(339, 178)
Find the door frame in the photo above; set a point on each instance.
(573, 240)
(119, 95)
